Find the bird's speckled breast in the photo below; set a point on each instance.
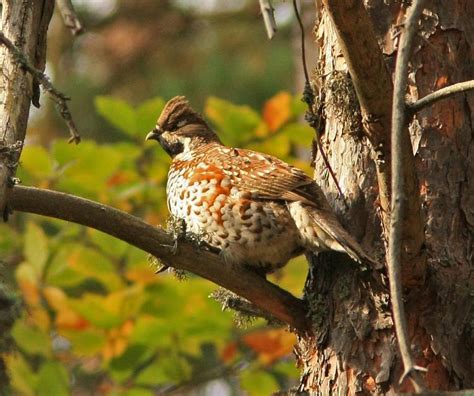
(258, 233)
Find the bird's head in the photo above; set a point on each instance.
(179, 128)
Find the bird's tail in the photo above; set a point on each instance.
(326, 233)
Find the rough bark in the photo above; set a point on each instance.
(355, 348)
(25, 23)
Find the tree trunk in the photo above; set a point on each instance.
(354, 348)
(24, 23)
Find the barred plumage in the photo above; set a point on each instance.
(258, 210)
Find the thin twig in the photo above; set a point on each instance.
(442, 93)
(265, 295)
(70, 17)
(308, 98)
(268, 17)
(59, 98)
(399, 120)
(303, 49)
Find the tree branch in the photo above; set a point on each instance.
(59, 98)
(70, 17)
(157, 242)
(399, 197)
(268, 17)
(442, 93)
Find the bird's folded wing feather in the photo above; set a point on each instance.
(267, 177)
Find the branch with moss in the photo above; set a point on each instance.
(185, 256)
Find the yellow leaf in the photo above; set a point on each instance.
(55, 297)
(28, 283)
(40, 317)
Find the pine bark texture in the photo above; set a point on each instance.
(355, 350)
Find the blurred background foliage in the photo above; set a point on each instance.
(95, 317)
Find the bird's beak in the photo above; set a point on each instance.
(154, 134)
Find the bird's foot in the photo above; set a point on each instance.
(177, 228)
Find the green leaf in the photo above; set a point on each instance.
(94, 265)
(152, 332)
(118, 112)
(136, 392)
(35, 248)
(22, 378)
(60, 273)
(278, 145)
(286, 369)
(86, 342)
(36, 161)
(9, 238)
(30, 339)
(170, 368)
(88, 167)
(52, 380)
(298, 107)
(95, 310)
(299, 133)
(123, 366)
(147, 114)
(258, 382)
(236, 124)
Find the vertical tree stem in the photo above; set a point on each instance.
(399, 196)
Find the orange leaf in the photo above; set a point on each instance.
(69, 320)
(118, 178)
(30, 292)
(277, 110)
(142, 275)
(229, 352)
(270, 344)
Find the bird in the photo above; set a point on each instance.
(255, 209)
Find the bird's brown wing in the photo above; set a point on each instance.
(267, 177)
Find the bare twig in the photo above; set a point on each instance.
(70, 17)
(59, 98)
(268, 17)
(265, 295)
(303, 50)
(308, 98)
(440, 94)
(399, 120)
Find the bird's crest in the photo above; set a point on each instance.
(176, 110)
